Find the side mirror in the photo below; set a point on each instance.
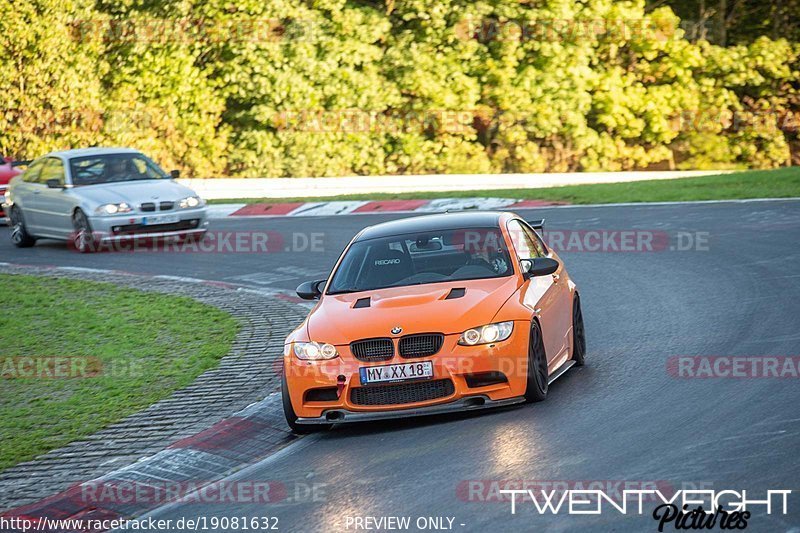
(537, 224)
(54, 184)
(174, 174)
(311, 290)
(539, 266)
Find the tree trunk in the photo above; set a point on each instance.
(723, 21)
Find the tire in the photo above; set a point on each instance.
(578, 333)
(82, 237)
(19, 233)
(291, 417)
(536, 389)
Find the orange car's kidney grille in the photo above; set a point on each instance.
(420, 345)
(373, 349)
(418, 391)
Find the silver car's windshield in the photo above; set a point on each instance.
(112, 168)
(419, 259)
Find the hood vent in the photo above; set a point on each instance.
(456, 293)
(362, 302)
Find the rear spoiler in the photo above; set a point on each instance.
(538, 225)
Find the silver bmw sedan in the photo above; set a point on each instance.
(99, 195)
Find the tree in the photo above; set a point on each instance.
(50, 91)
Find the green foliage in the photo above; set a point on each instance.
(50, 90)
(159, 97)
(337, 87)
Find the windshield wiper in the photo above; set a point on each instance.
(347, 291)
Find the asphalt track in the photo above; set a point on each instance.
(623, 417)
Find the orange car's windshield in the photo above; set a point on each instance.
(417, 259)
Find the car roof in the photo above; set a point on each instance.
(445, 221)
(89, 152)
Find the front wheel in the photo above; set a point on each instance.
(291, 416)
(578, 333)
(538, 376)
(19, 233)
(82, 237)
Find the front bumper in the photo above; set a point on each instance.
(468, 403)
(460, 365)
(123, 227)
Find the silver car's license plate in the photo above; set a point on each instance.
(404, 372)
(160, 219)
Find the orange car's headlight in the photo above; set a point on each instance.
(314, 351)
(487, 334)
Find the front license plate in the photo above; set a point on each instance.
(160, 219)
(404, 372)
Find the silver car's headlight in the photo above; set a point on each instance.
(314, 351)
(190, 201)
(113, 209)
(489, 333)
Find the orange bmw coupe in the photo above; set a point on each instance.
(433, 314)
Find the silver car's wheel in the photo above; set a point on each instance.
(19, 233)
(82, 237)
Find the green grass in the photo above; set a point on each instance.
(779, 183)
(130, 350)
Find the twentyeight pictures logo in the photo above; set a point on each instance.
(683, 509)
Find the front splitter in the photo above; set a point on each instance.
(470, 403)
